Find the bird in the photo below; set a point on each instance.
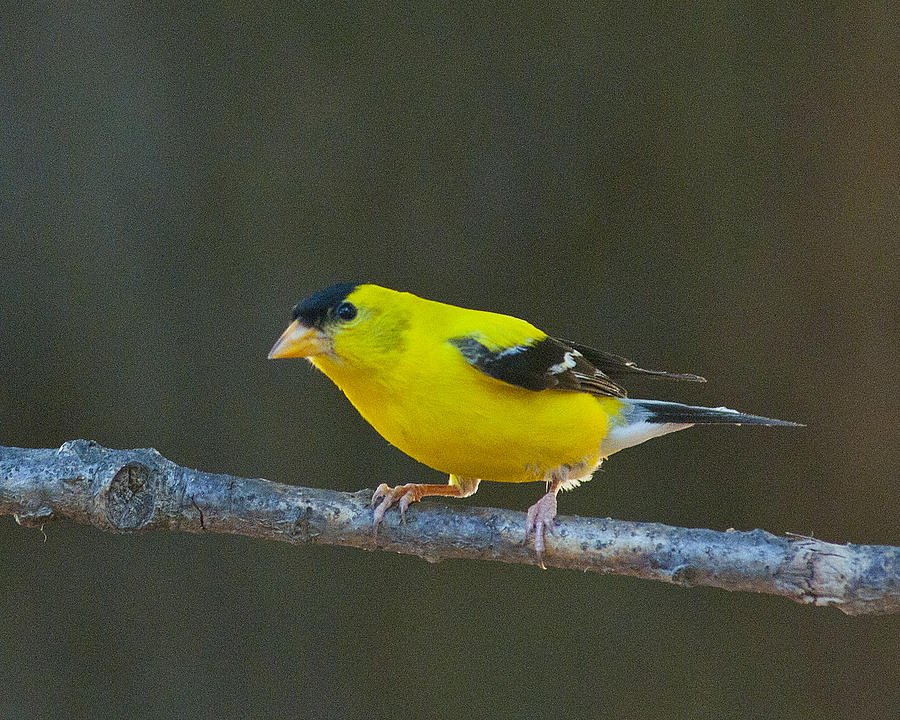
(480, 395)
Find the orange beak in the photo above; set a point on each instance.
(298, 341)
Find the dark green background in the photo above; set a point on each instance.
(706, 190)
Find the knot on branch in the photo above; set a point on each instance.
(130, 500)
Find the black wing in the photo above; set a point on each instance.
(617, 367)
(542, 365)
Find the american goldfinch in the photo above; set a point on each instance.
(479, 395)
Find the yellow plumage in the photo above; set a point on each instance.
(395, 365)
(479, 395)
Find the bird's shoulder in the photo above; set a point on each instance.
(542, 364)
(518, 353)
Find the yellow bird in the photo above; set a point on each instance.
(479, 395)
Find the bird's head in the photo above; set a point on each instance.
(346, 324)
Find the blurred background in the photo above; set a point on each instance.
(712, 190)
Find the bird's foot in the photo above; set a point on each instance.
(539, 521)
(402, 495)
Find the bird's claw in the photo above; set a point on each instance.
(381, 491)
(402, 495)
(539, 521)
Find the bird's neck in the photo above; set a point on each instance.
(354, 380)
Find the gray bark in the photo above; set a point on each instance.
(140, 490)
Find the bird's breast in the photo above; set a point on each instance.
(467, 424)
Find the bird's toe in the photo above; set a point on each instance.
(381, 491)
(539, 522)
(385, 496)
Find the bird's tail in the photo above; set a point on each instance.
(645, 419)
(658, 411)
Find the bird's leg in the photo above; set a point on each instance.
(403, 495)
(539, 519)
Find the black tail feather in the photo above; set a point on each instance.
(668, 412)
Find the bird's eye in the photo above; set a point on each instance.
(345, 311)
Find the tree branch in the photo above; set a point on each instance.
(139, 490)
